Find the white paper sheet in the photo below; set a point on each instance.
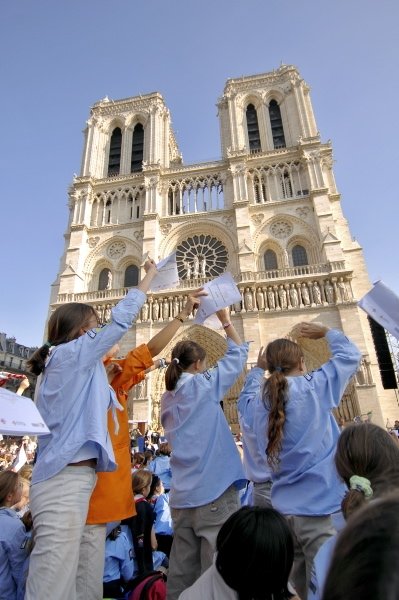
(167, 277)
(382, 304)
(222, 292)
(19, 415)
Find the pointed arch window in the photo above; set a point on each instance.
(136, 163)
(276, 124)
(108, 207)
(253, 128)
(114, 161)
(270, 260)
(299, 256)
(131, 276)
(105, 280)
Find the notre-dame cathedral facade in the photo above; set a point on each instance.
(268, 211)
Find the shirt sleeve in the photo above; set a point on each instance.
(249, 393)
(91, 347)
(127, 564)
(330, 381)
(133, 366)
(16, 548)
(220, 379)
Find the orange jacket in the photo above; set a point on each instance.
(112, 498)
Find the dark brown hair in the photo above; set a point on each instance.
(368, 451)
(64, 325)
(187, 353)
(8, 484)
(165, 449)
(366, 556)
(282, 356)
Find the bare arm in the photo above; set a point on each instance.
(163, 337)
(224, 317)
(154, 543)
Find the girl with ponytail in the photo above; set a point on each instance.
(206, 466)
(291, 415)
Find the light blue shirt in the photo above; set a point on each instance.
(163, 519)
(306, 482)
(255, 463)
(161, 466)
(119, 562)
(205, 460)
(14, 543)
(74, 395)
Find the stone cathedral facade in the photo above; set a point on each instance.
(268, 211)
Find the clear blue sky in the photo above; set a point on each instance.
(59, 57)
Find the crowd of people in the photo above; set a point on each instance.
(191, 516)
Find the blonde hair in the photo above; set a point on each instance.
(140, 480)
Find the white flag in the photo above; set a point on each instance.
(382, 304)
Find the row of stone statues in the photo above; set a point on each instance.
(296, 295)
(266, 298)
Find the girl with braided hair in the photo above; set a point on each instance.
(291, 415)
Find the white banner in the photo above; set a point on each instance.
(382, 304)
(19, 415)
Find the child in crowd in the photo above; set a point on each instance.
(366, 556)
(206, 466)
(367, 459)
(163, 520)
(73, 397)
(254, 557)
(14, 540)
(119, 565)
(293, 422)
(161, 465)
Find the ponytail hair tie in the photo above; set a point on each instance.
(278, 369)
(361, 484)
(176, 361)
(48, 344)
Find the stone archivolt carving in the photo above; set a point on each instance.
(116, 249)
(281, 229)
(93, 241)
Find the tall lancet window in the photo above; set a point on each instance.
(253, 128)
(114, 161)
(137, 149)
(276, 125)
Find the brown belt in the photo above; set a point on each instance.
(89, 462)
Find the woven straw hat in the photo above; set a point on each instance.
(315, 352)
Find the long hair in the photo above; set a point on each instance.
(64, 325)
(140, 479)
(255, 552)
(8, 484)
(282, 356)
(368, 451)
(186, 353)
(366, 556)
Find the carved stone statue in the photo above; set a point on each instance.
(282, 295)
(305, 294)
(144, 312)
(195, 267)
(237, 307)
(248, 300)
(175, 306)
(166, 309)
(316, 293)
(188, 269)
(294, 296)
(329, 291)
(260, 301)
(155, 310)
(107, 313)
(109, 281)
(343, 292)
(203, 266)
(270, 298)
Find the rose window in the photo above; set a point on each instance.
(201, 256)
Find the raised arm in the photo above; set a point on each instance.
(224, 317)
(163, 337)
